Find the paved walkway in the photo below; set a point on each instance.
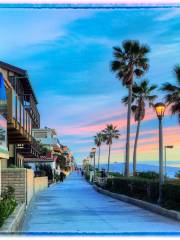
(75, 207)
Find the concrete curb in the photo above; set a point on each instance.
(146, 205)
(14, 221)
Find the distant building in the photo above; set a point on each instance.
(49, 141)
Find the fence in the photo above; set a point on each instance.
(24, 183)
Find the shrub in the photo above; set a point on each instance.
(177, 175)
(134, 187)
(87, 177)
(12, 166)
(48, 171)
(147, 189)
(116, 174)
(57, 177)
(171, 195)
(7, 204)
(27, 166)
(148, 175)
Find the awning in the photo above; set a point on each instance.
(3, 98)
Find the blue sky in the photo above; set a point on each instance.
(68, 53)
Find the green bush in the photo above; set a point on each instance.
(147, 189)
(7, 204)
(115, 174)
(87, 177)
(27, 166)
(57, 177)
(47, 170)
(12, 166)
(144, 189)
(177, 175)
(148, 175)
(171, 195)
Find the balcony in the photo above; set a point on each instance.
(31, 108)
(18, 119)
(31, 150)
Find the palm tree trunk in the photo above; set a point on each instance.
(126, 173)
(99, 157)
(109, 158)
(135, 147)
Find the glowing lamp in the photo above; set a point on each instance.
(160, 109)
(93, 150)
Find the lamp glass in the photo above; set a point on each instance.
(160, 109)
(93, 150)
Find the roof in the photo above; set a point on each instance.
(23, 73)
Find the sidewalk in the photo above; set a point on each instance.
(75, 207)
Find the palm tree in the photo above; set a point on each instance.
(130, 61)
(110, 132)
(98, 139)
(173, 93)
(142, 93)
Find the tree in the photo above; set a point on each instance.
(130, 61)
(61, 161)
(43, 150)
(98, 139)
(173, 93)
(141, 93)
(109, 133)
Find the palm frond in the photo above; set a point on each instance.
(177, 73)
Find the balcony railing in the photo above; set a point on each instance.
(29, 150)
(30, 106)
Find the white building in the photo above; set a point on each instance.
(49, 140)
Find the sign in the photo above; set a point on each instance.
(3, 138)
(3, 122)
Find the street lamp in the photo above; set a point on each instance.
(167, 146)
(93, 152)
(160, 109)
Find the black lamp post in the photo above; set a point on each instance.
(93, 152)
(160, 109)
(165, 147)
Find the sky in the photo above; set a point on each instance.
(67, 53)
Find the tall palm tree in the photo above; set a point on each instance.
(110, 132)
(142, 94)
(98, 139)
(130, 61)
(173, 93)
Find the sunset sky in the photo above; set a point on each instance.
(68, 53)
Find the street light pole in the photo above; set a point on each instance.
(93, 151)
(161, 174)
(165, 159)
(160, 109)
(165, 167)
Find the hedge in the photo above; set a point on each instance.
(171, 195)
(148, 175)
(144, 189)
(7, 204)
(147, 189)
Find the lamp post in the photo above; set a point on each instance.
(160, 109)
(165, 147)
(93, 152)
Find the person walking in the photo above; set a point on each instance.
(61, 176)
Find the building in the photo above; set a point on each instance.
(50, 147)
(22, 115)
(69, 158)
